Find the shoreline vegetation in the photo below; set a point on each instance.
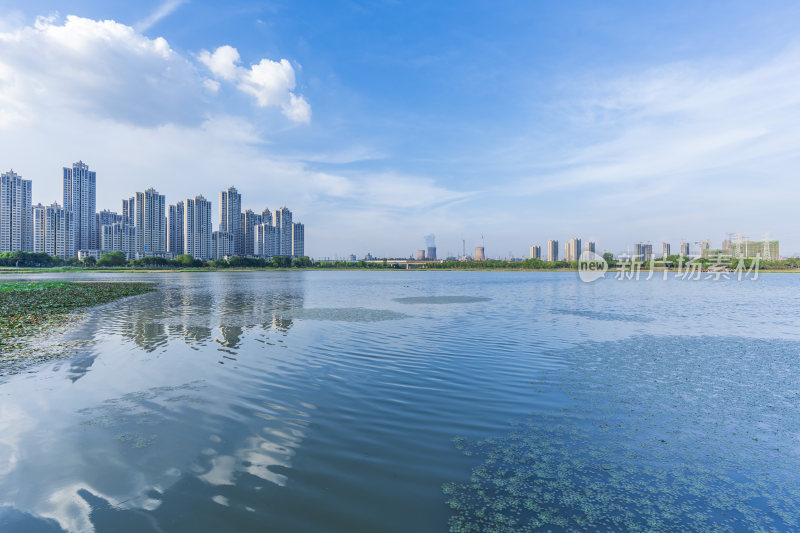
(29, 309)
(27, 262)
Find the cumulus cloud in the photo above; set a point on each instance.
(100, 68)
(271, 82)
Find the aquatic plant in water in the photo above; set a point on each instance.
(659, 434)
(30, 308)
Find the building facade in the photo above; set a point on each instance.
(283, 231)
(230, 216)
(104, 218)
(16, 213)
(221, 244)
(265, 241)
(197, 234)
(572, 250)
(249, 222)
(591, 246)
(119, 237)
(685, 249)
(54, 230)
(150, 223)
(175, 232)
(536, 252)
(552, 250)
(299, 241)
(80, 196)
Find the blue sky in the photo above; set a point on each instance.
(378, 123)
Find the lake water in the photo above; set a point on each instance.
(413, 402)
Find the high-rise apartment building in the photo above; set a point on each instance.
(265, 241)
(591, 247)
(266, 217)
(150, 222)
(572, 250)
(249, 222)
(54, 230)
(221, 244)
(129, 210)
(283, 231)
(175, 233)
(230, 216)
(119, 237)
(536, 252)
(104, 218)
(552, 250)
(643, 251)
(16, 213)
(299, 240)
(197, 234)
(80, 197)
(647, 252)
(665, 248)
(684, 249)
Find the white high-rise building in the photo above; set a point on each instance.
(197, 227)
(119, 237)
(221, 244)
(665, 249)
(265, 241)
(104, 218)
(298, 239)
(80, 197)
(16, 213)
(230, 216)
(536, 252)
(175, 233)
(54, 230)
(147, 209)
(283, 232)
(590, 247)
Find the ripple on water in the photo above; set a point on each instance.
(441, 299)
(660, 434)
(346, 314)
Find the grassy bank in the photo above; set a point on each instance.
(28, 308)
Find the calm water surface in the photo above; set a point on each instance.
(413, 401)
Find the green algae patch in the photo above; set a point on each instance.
(30, 309)
(653, 434)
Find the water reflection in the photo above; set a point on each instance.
(220, 312)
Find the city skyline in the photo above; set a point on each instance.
(430, 123)
(146, 226)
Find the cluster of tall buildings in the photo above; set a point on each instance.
(146, 227)
(572, 250)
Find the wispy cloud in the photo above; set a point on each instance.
(164, 10)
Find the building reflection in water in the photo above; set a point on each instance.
(202, 310)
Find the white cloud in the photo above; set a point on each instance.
(100, 68)
(271, 82)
